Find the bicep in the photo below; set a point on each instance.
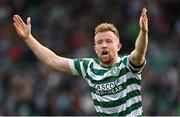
(60, 64)
(136, 59)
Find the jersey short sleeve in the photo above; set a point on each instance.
(133, 68)
(79, 66)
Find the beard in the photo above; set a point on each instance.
(106, 59)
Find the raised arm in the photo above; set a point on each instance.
(43, 54)
(137, 56)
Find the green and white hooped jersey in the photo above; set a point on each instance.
(116, 89)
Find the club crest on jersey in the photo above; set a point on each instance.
(115, 71)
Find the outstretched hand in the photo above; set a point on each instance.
(143, 22)
(22, 29)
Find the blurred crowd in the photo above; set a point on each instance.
(28, 87)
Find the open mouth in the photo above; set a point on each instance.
(105, 52)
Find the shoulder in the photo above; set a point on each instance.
(123, 57)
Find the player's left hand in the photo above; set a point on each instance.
(143, 22)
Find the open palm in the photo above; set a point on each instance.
(22, 29)
(143, 22)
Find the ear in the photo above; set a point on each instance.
(119, 46)
(95, 49)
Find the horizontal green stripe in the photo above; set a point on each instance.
(101, 72)
(133, 107)
(123, 71)
(117, 102)
(95, 71)
(135, 81)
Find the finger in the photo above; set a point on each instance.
(16, 21)
(16, 27)
(144, 16)
(147, 20)
(20, 19)
(144, 22)
(29, 23)
(144, 10)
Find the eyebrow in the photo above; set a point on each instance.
(104, 39)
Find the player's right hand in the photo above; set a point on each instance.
(22, 29)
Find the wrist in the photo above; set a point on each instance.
(28, 37)
(144, 30)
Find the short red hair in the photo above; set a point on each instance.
(103, 27)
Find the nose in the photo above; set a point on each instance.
(104, 45)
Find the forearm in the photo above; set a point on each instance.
(138, 55)
(42, 53)
(141, 44)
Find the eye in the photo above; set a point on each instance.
(109, 41)
(99, 42)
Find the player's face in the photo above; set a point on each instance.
(107, 46)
